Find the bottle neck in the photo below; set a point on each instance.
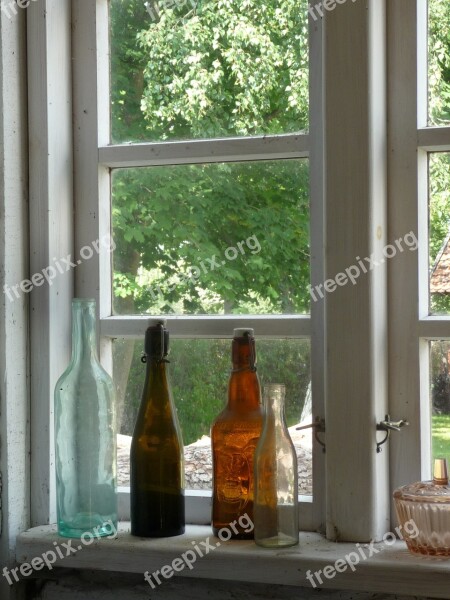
(243, 390)
(274, 405)
(275, 410)
(243, 354)
(84, 333)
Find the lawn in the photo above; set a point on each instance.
(441, 436)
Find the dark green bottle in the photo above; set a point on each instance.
(157, 451)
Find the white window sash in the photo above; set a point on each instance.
(410, 451)
(411, 328)
(51, 237)
(93, 159)
(356, 323)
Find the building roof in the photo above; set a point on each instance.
(440, 273)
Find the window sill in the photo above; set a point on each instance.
(392, 570)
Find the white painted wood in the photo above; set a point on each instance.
(91, 130)
(271, 147)
(317, 227)
(14, 314)
(434, 328)
(434, 139)
(356, 324)
(392, 570)
(408, 375)
(51, 210)
(210, 327)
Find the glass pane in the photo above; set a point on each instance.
(440, 395)
(199, 373)
(439, 62)
(200, 68)
(439, 219)
(212, 239)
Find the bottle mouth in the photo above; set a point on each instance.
(83, 301)
(156, 339)
(241, 332)
(440, 472)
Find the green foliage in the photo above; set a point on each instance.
(177, 218)
(439, 61)
(227, 67)
(441, 436)
(221, 68)
(439, 109)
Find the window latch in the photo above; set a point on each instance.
(387, 426)
(319, 427)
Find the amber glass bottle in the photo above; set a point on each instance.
(157, 452)
(234, 435)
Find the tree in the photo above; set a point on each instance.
(203, 72)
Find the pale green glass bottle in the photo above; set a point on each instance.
(85, 435)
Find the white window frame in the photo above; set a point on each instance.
(348, 186)
(93, 159)
(411, 326)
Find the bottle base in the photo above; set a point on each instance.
(157, 534)
(87, 525)
(279, 541)
(241, 535)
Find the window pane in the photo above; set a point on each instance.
(439, 219)
(199, 373)
(439, 61)
(199, 69)
(440, 394)
(212, 239)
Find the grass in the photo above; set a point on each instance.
(441, 436)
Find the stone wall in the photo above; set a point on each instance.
(90, 585)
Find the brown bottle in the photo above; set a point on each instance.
(157, 452)
(234, 435)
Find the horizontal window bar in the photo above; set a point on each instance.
(272, 147)
(434, 328)
(198, 507)
(270, 327)
(434, 139)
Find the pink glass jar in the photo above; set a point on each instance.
(426, 505)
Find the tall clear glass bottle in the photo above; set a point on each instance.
(157, 451)
(85, 435)
(276, 477)
(234, 435)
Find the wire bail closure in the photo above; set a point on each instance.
(387, 426)
(319, 427)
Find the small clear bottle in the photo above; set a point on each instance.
(85, 435)
(423, 510)
(276, 477)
